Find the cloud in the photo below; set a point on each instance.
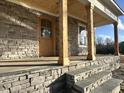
(120, 25)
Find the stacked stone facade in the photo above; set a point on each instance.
(45, 79)
(74, 48)
(18, 35)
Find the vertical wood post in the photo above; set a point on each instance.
(63, 36)
(116, 43)
(90, 29)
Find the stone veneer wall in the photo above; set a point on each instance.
(45, 80)
(74, 48)
(18, 35)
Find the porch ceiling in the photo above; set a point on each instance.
(113, 6)
(76, 9)
(101, 20)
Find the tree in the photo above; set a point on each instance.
(99, 41)
(121, 47)
(104, 46)
(108, 41)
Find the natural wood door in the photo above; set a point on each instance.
(46, 40)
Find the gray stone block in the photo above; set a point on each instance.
(5, 91)
(83, 73)
(20, 82)
(92, 82)
(111, 86)
(15, 89)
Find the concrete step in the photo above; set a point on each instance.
(111, 86)
(90, 83)
(83, 73)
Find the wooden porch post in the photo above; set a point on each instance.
(90, 29)
(116, 44)
(63, 36)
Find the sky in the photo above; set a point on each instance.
(107, 31)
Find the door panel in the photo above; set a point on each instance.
(46, 40)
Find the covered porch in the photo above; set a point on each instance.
(85, 11)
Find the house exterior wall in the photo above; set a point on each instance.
(19, 33)
(74, 47)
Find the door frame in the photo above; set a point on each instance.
(53, 20)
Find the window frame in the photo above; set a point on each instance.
(45, 27)
(83, 25)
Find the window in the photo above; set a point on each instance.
(46, 27)
(82, 35)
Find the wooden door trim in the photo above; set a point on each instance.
(53, 20)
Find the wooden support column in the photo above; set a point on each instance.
(94, 40)
(116, 44)
(63, 36)
(90, 29)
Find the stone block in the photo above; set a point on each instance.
(26, 85)
(37, 80)
(41, 90)
(33, 75)
(39, 86)
(23, 77)
(64, 70)
(7, 85)
(5, 91)
(20, 82)
(48, 78)
(12, 79)
(71, 68)
(15, 89)
(47, 83)
(23, 91)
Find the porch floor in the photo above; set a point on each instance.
(7, 66)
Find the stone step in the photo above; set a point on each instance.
(114, 66)
(87, 85)
(111, 86)
(83, 73)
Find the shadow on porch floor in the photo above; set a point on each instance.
(41, 61)
(7, 66)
